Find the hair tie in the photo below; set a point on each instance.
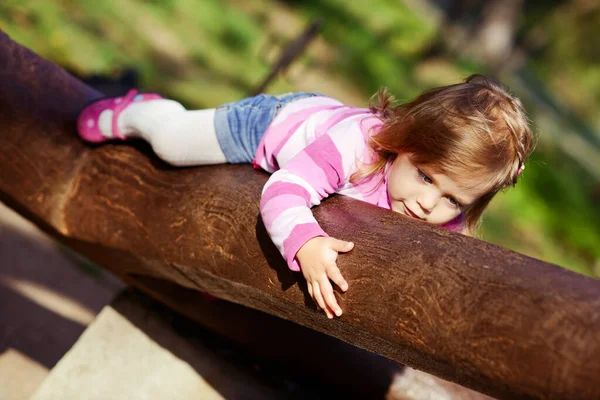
(521, 169)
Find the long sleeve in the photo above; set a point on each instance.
(320, 169)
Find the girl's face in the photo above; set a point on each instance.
(420, 193)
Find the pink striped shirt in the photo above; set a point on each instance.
(312, 148)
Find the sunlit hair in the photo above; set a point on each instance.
(475, 132)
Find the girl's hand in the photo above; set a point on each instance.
(317, 259)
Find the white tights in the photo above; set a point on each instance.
(178, 136)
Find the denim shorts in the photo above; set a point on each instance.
(241, 125)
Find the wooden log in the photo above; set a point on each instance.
(464, 310)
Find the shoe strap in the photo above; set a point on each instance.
(126, 100)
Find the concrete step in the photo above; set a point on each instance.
(47, 299)
(132, 351)
(20, 376)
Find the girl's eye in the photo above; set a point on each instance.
(424, 177)
(453, 201)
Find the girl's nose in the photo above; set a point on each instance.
(427, 201)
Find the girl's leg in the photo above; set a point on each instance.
(178, 136)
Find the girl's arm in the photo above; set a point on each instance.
(319, 170)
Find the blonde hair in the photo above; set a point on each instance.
(476, 132)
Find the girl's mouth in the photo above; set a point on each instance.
(411, 214)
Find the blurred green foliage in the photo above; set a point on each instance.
(208, 52)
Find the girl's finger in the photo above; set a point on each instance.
(310, 292)
(320, 301)
(341, 245)
(327, 291)
(336, 276)
(317, 295)
(312, 296)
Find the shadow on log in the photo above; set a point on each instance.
(464, 310)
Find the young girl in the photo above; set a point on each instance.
(440, 158)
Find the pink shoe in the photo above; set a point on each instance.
(87, 122)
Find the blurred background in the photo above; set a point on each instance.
(208, 52)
